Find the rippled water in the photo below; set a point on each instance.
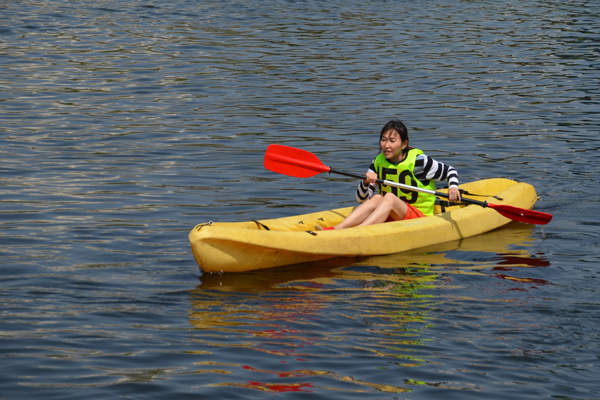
(124, 124)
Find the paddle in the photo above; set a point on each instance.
(303, 164)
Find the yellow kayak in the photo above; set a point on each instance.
(251, 245)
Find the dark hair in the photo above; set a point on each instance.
(398, 126)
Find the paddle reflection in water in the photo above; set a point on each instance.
(291, 328)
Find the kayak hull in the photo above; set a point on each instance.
(251, 245)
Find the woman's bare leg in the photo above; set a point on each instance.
(389, 206)
(360, 213)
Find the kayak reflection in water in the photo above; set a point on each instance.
(399, 163)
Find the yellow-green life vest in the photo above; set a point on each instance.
(403, 173)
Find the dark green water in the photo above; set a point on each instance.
(123, 124)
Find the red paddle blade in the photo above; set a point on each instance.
(522, 214)
(293, 162)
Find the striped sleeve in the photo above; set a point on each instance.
(366, 192)
(427, 168)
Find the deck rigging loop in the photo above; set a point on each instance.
(261, 224)
(445, 203)
(200, 226)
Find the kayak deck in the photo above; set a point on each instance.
(250, 245)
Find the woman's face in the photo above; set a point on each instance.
(392, 145)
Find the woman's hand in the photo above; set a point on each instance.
(453, 194)
(371, 178)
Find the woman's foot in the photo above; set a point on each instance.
(324, 228)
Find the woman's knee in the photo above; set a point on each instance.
(390, 198)
(375, 200)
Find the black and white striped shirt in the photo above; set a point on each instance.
(425, 168)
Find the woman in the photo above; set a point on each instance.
(399, 163)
